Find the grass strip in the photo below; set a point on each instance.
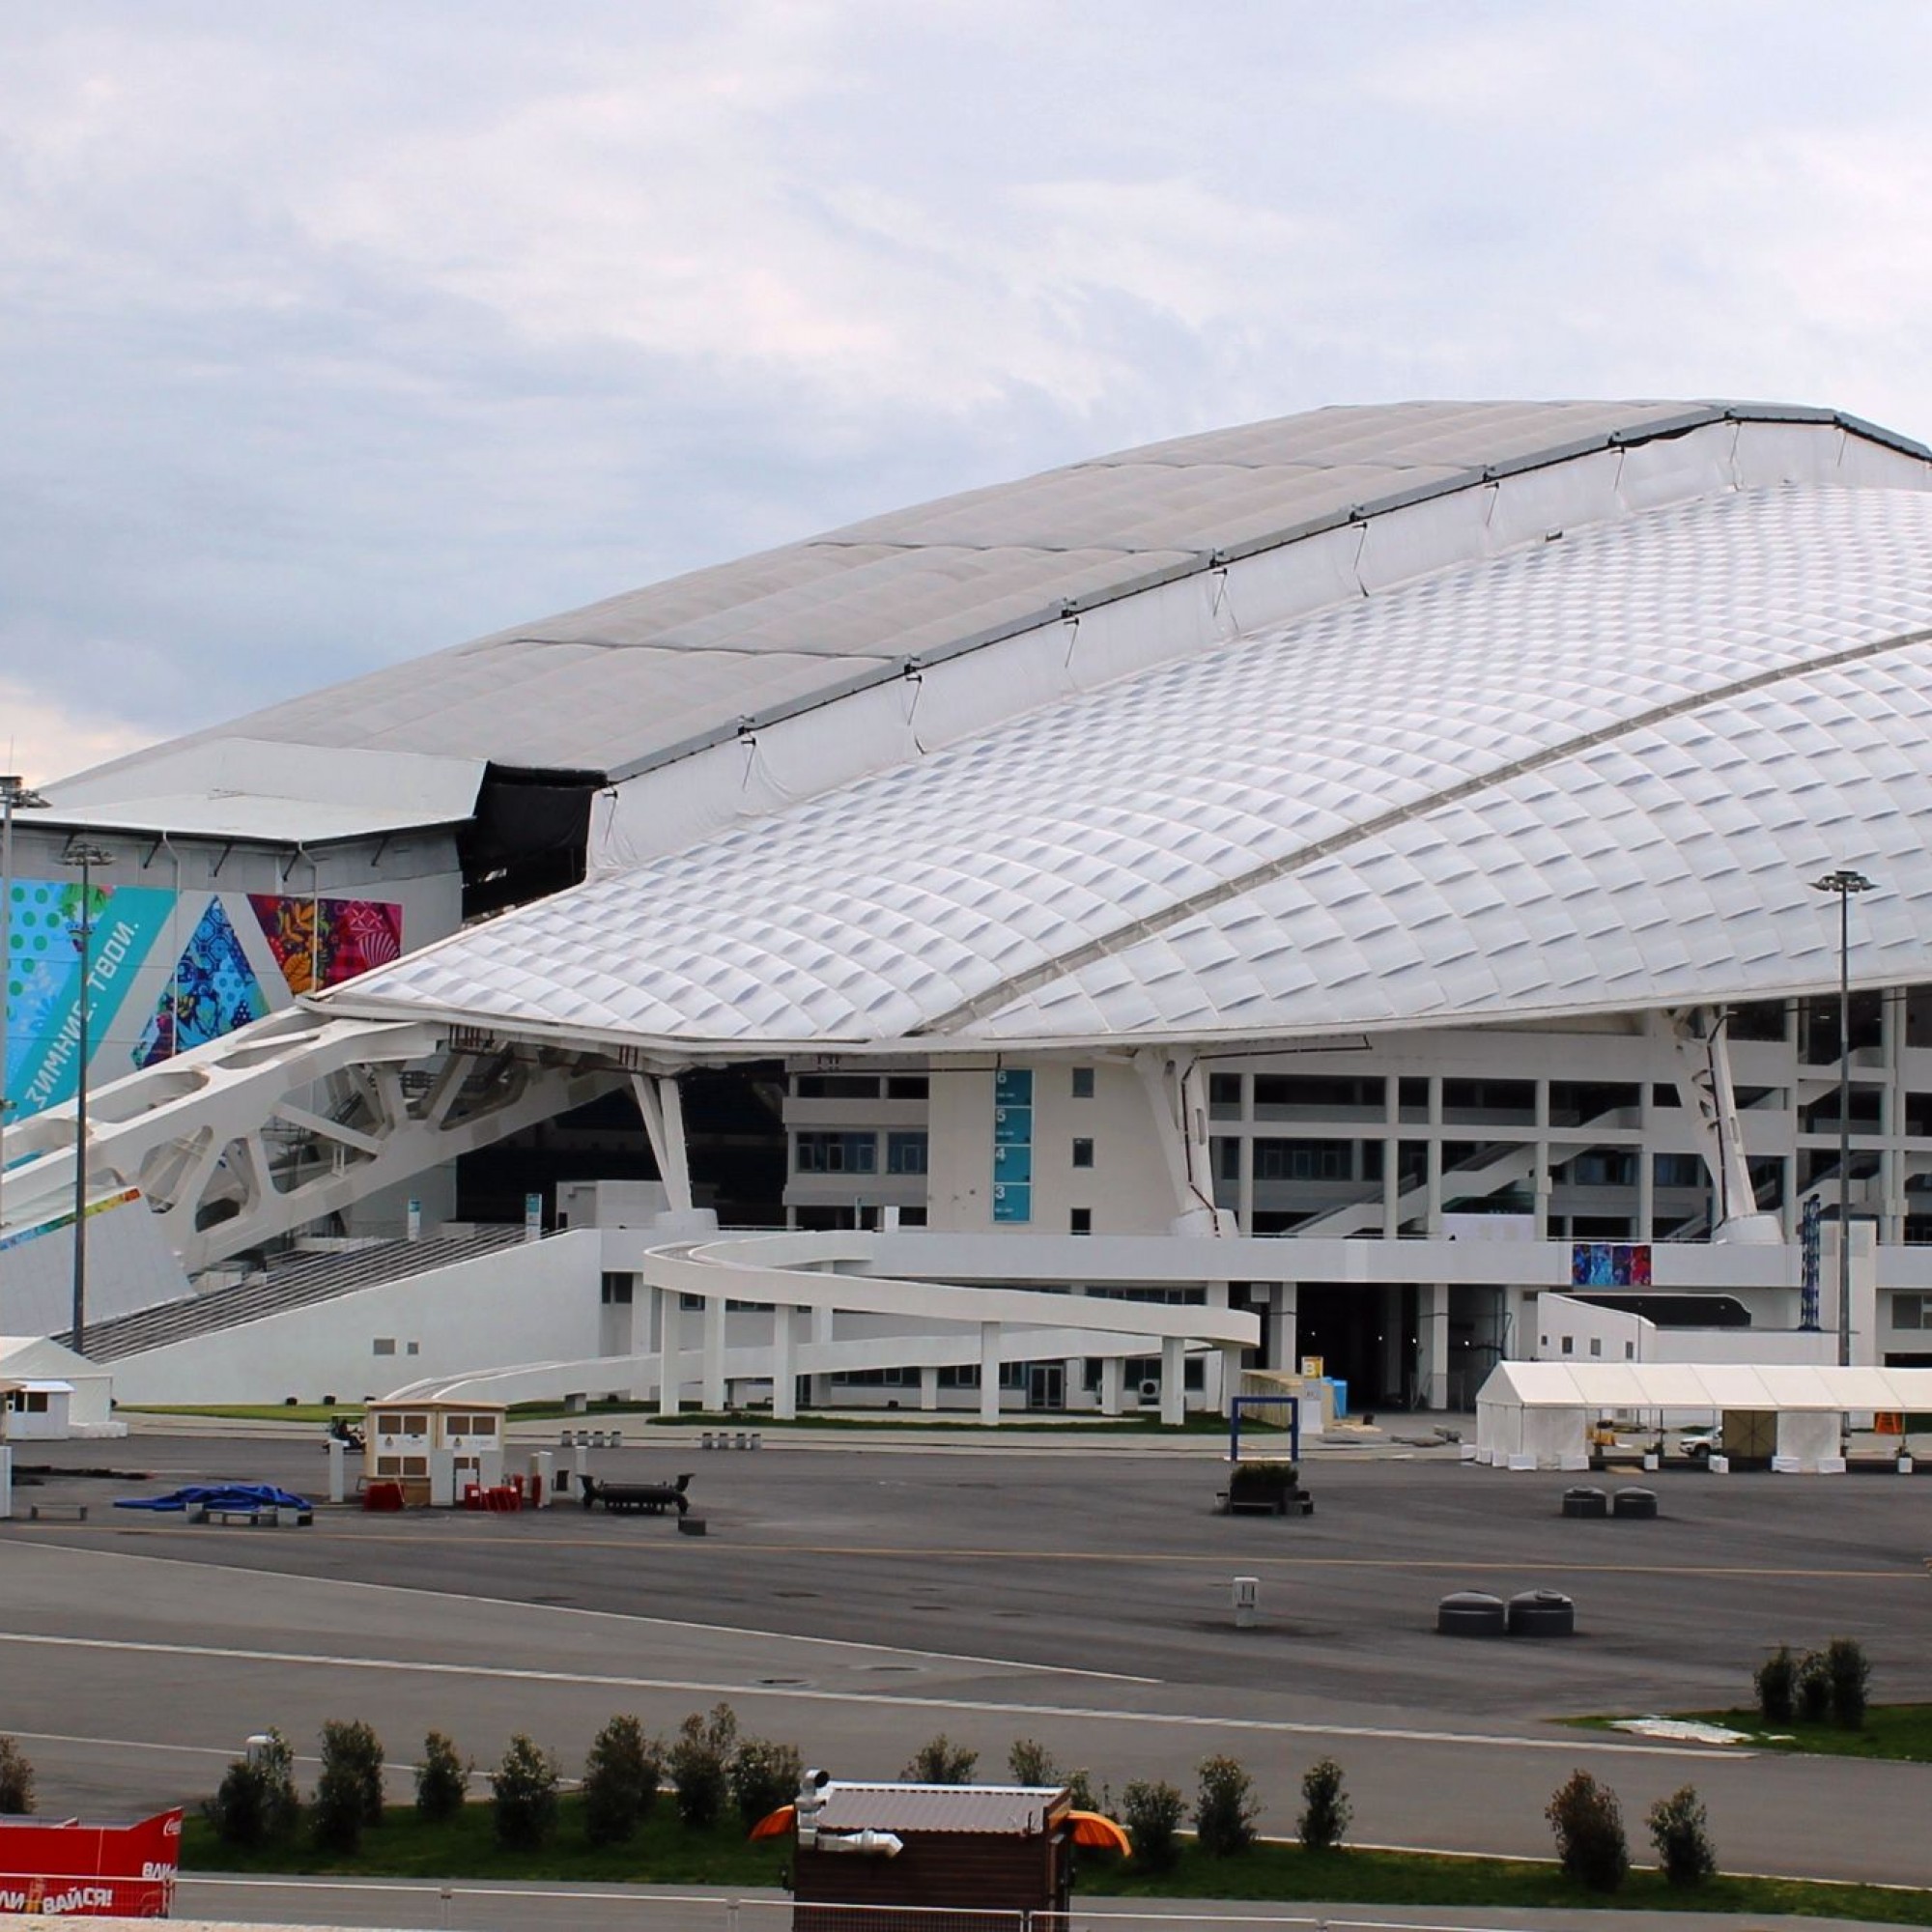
(1899, 1732)
(664, 1852)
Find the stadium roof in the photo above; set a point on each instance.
(1584, 766)
(643, 679)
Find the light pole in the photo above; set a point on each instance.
(1844, 882)
(16, 795)
(86, 854)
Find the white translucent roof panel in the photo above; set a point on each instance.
(1592, 774)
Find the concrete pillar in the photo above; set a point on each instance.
(1231, 1376)
(1391, 1161)
(1541, 1177)
(714, 1354)
(822, 1320)
(442, 1479)
(1646, 1165)
(928, 1388)
(1396, 1355)
(1436, 1344)
(1891, 1203)
(1172, 1382)
(784, 1363)
(671, 1342)
(989, 1373)
(1113, 1368)
(6, 1482)
(1286, 1329)
(338, 1470)
(543, 1477)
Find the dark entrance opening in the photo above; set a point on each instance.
(1361, 1333)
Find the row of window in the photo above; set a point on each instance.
(839, 1152)
(900, 1086)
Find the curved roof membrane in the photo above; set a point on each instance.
(1590, 772)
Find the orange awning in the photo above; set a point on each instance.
(776, 1823)
(1095, 1827)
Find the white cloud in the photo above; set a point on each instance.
(41, 739)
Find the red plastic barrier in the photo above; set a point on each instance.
(383, 1496)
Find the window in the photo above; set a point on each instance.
(837, 1087)
(1080, 1221)
(837, 1154)
(905, 1154)
(1569, 1345)
(1912, 1311)
(1224, 1095)
(1596, 1345)
(616, 1291)
(1225, 1152)
(384, 1345)
(907, 1086)
(1302, 1161)
(1082, 1083)
(1082, 1153)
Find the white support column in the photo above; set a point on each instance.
(784, 1363)
(663, 1113)
(1646, 1163)
(1436, 1344)
(822, 1320)
(1112, 1373)
(989, 1373)
(1541, 1178)
(1891, 1203)
(670, 1371)
(1231, 1376)
(1391, 1156)
(1288, 1328)
(928, 1388)
(714, 1354)
(1172, 1382)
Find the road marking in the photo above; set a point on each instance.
(992, 1707)
(948, 1552)
(619, 1616)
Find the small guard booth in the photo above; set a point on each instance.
(431, 1448)
(926, 1848)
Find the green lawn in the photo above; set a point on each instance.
(665, 1853)
(249, 1411)
(1898, 1731)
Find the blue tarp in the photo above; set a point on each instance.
(220, 1497)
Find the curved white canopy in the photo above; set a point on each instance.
(1595, 773)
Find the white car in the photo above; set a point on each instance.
(1699, 1443)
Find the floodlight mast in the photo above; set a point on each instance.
(1844, 882)
(86, 854)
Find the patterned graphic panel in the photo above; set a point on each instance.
(322, 942)
(213, 990)
(43, 978)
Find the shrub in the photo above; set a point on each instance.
(1850, 1677)
(525, 1789)
(349, 1792)
(1152, 1815)
(698, 1761)
(1589, 1827)
(1030, 1762)
(1326, 1810)
(1682, 1835)
(1225, 1809)
(1777, 1680)
(1080, 1788)
(763, 1776)
(17, 1778)
(1814, 1689)
(620, 1781)
(442, 1779)
(940, 1761)
(256, 1800)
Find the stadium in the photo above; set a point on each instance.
(1320, 888)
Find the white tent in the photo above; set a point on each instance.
(1537, 1414)
(35, 1361)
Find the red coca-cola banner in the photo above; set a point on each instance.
(89, 1871)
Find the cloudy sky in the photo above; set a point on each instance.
(335, 333)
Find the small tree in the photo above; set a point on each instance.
(442, 1780)
(1152, 1815)
(699, 1760)
(1814, 1689)
(940, 1761)
(1225, 1809)
(1589, 1827)
(764, 1775)
(1326, 1810)
(1030, 1762)
(17, 1778)
(349, 1792)
(620, 1781)
(1079, 1784)
(1850, 1675)
(256, 1801)
(1775, 1681)
(1682, 1835)
(524, 1790)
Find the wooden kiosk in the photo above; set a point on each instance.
(431, 1448)
(982, 1847)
